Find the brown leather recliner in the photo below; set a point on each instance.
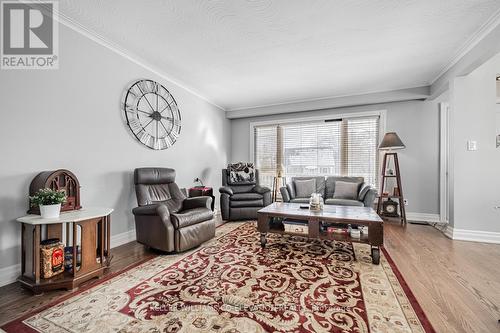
(165, 219)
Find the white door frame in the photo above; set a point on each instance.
(444, 161)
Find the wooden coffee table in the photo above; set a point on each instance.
(330, 214)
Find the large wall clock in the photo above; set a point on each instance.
(152, 114)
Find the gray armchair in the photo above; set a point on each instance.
(300, 189)
(241, 201)
(165, 219)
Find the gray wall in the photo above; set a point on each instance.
(71, 118)
(416, 122)
(476, 174)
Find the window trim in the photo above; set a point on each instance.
(382, 124)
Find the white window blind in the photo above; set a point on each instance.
(346, 147)
(311, 148)
(266, 153)
(361, 148)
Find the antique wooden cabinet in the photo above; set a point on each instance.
(85, 229)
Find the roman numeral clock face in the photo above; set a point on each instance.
(152, 114)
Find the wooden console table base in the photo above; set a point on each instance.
(95, 229)
(334, 214)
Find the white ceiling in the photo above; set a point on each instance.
(241, 54)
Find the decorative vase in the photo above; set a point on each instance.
(50, 211)
(316, 202)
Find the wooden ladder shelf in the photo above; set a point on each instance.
(400, 196)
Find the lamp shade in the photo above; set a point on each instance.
(391, 141)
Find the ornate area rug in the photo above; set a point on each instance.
(231, 284)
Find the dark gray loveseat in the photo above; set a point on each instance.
(365, 195)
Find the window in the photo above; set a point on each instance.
(266, 146)
(311, 148)
(345, 147)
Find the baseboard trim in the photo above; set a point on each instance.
(472, 235)
(123, 238)
(448, 231)
(423, 217)
(10, 274)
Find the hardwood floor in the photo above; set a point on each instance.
(456, 283)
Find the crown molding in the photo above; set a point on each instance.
(386, 96)
(310, 100)
(127, 54)
(470, 43)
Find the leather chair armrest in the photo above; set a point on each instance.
(370, 197)
(284, 194)
(261, 189)
(146, 210)
(160, 210)
(266, 196)
(226, 189)
(224, 205)
(197, 202)
(363, 189)
(291, 190)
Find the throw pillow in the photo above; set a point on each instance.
(304, 188)
(346, 190)
(241, 173)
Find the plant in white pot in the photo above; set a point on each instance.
(49, 201)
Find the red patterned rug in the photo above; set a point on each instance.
(231, 284)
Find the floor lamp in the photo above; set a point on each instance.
(390, 142)
(278, 181)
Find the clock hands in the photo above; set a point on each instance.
(148, 113)
(146, 98)
(172, 120)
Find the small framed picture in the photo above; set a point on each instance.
(498, 140)
(396, 192)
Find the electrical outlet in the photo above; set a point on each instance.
(405, 202)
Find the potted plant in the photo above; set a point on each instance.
(49, 201)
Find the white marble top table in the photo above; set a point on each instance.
(69, 216)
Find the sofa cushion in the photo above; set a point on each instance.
(320, 184)
(300, 200)
(330, 183)
(191, 216)
(246, 196)
(343, 202)
(346, 190)
(247, 203)
(304, 188)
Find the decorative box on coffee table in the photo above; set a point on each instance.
(86, 230)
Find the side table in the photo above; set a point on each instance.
(202, 191)
(88, 228)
